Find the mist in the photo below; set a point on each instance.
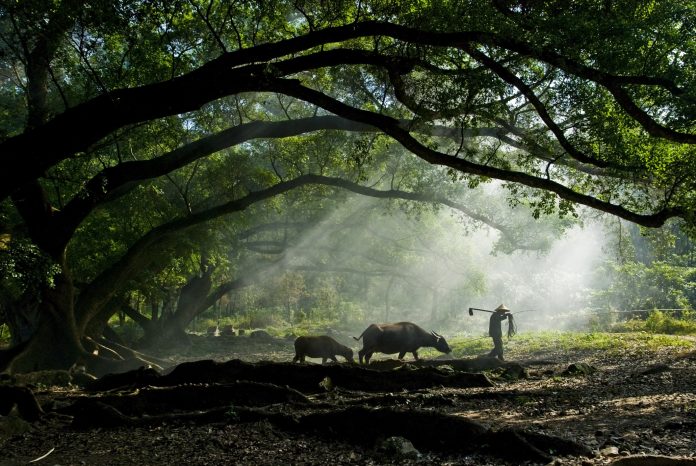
(548, 291)
(413, 262)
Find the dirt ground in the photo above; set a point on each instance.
(638, 402)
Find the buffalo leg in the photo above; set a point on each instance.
(323, 360)
(415, 355)
(402, 354)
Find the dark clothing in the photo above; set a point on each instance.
(495, 331)
(494, 327)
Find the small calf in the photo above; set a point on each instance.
(322, 346)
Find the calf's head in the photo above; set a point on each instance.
(348, 354)
(441, 343)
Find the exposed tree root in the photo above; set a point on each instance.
(108, 356)
(654, 460)
(534, 446)
(101, 366)
(94, 414)
(7, 355)
(27, 406)
(211, 392)
(139, 377)
(430, 430)
(402, 399)
(463, 365)
(159, 400)
(111, 358)
(306, 378)
(427, 430)
(430, 399)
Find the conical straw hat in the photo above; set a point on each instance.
(502, 308)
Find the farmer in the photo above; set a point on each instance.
(496, 332)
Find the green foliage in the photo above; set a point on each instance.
(4, 334)
(270, 321)
(128, 330)
(634, 285)
(654, 274)
(24, 269)
(662, 322)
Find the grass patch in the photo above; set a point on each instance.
(466, 346)
(547, 341)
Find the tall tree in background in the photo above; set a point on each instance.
(567, 102)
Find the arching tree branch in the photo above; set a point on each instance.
(34, 151)
(391, 127)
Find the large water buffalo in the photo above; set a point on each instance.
(321, 346)
(401, 337)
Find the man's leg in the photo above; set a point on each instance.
(494, 351)
(498, 348)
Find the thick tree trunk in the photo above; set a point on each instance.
(55, 343)
(22, 318)
(191, 299)
(171, 330)
(44, 322)
(97, 326)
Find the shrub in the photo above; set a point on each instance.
(662, 322)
